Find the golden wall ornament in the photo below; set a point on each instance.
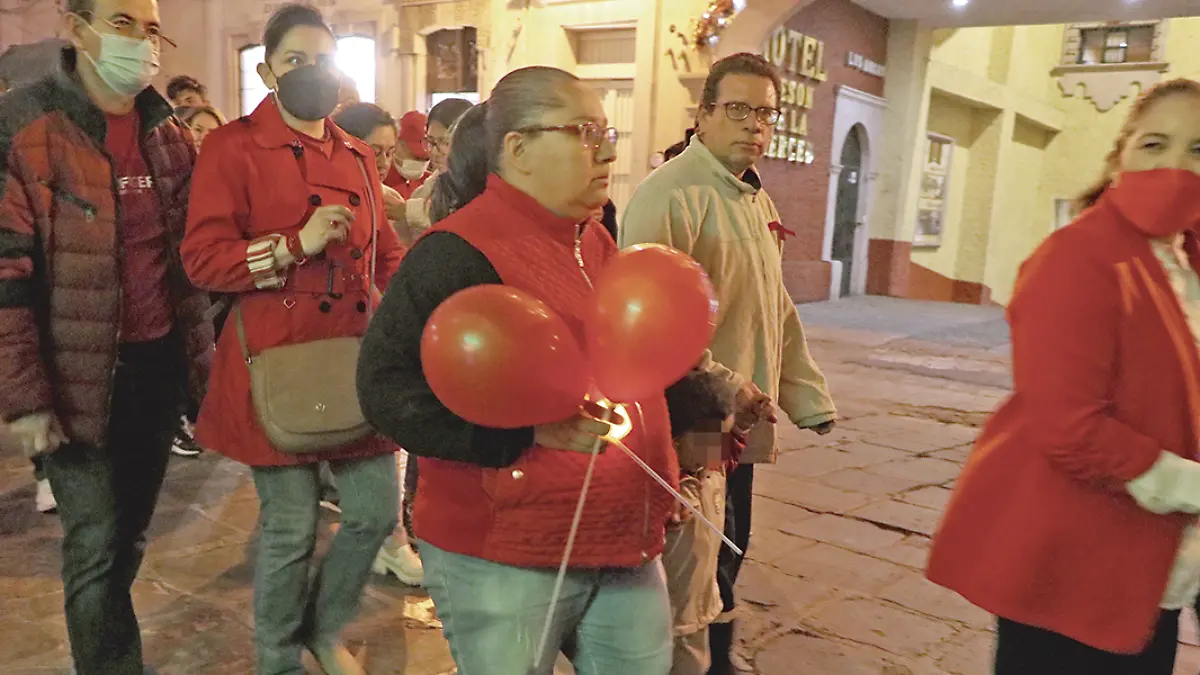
(706, 31)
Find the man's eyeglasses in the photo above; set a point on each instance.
(738, 111)
(593, 135)
(127, 27)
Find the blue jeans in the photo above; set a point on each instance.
(291, 613)
(619, 620)
(106, 497)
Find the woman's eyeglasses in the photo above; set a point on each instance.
(739, 111)
(593, 135)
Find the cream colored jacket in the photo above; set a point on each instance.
(696, 205)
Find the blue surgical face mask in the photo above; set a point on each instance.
(126, 65)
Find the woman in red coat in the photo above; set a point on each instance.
(1074, 519)
(285, 211)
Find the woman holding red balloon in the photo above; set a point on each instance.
(491, 401)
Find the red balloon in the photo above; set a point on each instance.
(499, 357)
(653, 316)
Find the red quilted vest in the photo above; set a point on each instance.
(521, 514)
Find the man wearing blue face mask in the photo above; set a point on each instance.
(102, 336)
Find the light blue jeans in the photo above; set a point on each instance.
(291, 613)
(619, 620)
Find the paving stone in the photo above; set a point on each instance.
(845, 532)
(843, 569)
(817, 461)
(958, 454)
(768, 545)
(808, 494)
(769, 510)
(927, 471)
(869, 482)
(912, 551)
(930, 497)
(970, 653)
(791, 597)
(888, 627)
(919, 594)
(799, 654)
(899, 514)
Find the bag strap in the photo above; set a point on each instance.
(374, 236)
(237, 305)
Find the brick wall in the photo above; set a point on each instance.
(801, 191)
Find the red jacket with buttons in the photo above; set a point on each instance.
(256, 177)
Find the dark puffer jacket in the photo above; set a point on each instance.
(60, 298)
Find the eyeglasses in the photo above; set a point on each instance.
(127, 27)
(593, 135)
(738, 111)
(437, 143)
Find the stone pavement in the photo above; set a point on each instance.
(833, 585)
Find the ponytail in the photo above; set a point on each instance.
(470, 163)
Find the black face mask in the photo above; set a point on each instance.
(309, 93)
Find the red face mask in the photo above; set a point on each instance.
(1160, 202)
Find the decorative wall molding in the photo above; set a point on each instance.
(1105, 85)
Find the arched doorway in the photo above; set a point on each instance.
(847, 207)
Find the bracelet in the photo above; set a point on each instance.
(260, 257)
(296, 249)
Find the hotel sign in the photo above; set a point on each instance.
(801, 60)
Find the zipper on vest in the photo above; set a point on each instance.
(579, 254)
(89, 209)
(646, 486)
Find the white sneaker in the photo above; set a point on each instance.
(45, 501)
(401, 561)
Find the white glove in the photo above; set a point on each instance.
(1171, 485)
(37, 434)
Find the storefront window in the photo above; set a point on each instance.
(355, 57)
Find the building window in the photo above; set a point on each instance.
(452, 68)
(355, 57)
(1120, 44)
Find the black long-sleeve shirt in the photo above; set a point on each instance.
(392, 389)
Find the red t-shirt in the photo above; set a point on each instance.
(145, 305)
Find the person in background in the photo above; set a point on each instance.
(377, 128)
(185, 90)
(101, 343)
(709, 203)
(442, 119)
(410, 161)
(1074, 519)
(677, 149)
(706, 434)
(290, 221)
(201, 120)
(494, 506)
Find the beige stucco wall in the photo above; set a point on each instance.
(1021, 143)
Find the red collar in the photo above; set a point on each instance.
(531, 208)
(270, 131)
